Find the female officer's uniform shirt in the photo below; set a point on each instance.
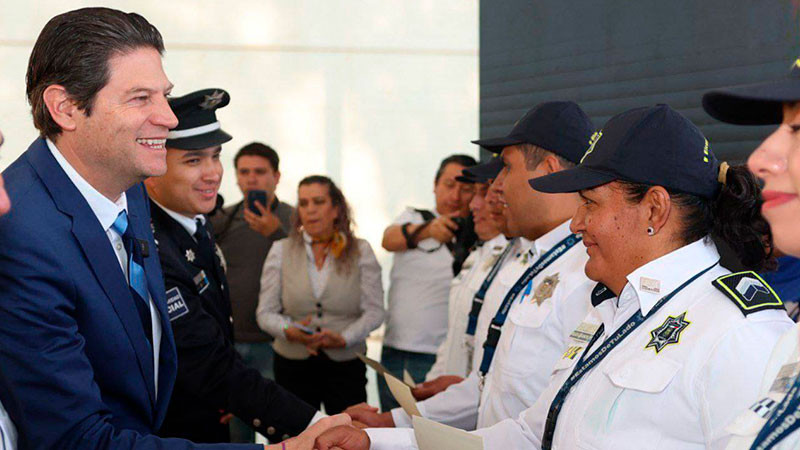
(681, 396)
(533, 338)
(781, 371)
(454, 355)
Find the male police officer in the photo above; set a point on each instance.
(549, 138)
(212, 379)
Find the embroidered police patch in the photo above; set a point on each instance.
(176, 306)
(763, 407)
(668, 333)
(749, 292)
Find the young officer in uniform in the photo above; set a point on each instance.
(675, 344)
(212, 380)
(772, 421)
(528, 319)
(454, 356)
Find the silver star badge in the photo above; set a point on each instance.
(190, 255)
(212, 100)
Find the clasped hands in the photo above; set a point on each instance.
(324, 338)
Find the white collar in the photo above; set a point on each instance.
(103, 208)
(551, 238)
(188, 223)
(663, 275)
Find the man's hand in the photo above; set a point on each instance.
(370, 416)
(442, 229)
(433, 387)
(265, 224)
(305, 440)
(343, 437)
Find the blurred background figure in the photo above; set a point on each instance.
(321, 296)
(421, 274)
(245, 232)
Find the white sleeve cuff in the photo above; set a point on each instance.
(392, 439)
(317, 417)
(401, 419)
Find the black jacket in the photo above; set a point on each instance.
(212, 378)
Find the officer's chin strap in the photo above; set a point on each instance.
(722, 177)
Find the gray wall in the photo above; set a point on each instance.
(614, 55)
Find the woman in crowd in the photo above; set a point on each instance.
(772, 421)
(321, 295)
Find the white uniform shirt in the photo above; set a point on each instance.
(8, 432)
(532, 340)
(682, 397)
(785, 360)
(106, 212)
(418, 292)
(454, 356)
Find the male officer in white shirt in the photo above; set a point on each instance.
(534, 286)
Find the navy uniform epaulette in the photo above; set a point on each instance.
(749, 292)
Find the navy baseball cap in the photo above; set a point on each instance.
(654, 145)
(198, 126)
(560, 127)
(754, 104)
(483, 172)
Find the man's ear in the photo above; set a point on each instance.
(61, 107)
(277, 177)
(551, 164)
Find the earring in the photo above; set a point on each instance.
(651, 231)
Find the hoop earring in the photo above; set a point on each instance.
(651, 231)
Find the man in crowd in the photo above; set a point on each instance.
(212, 380)
(421, 275)
(86, 340)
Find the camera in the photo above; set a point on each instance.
(465, 239)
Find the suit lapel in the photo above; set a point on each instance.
(98, 253)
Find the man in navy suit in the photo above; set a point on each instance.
(85, 339)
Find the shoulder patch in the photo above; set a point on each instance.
(176, 305)
(749, 292)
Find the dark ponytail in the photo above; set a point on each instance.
(734, 216)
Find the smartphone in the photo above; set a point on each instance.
(256, 196)
(302, 328)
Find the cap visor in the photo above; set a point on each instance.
(497, 144)
(752, 104)
(571, 180)
(217, 137)
(463, 179)
(486, 171)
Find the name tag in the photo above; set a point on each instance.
(176, 306)
(584, 332)
(785, 378)
(201, 281)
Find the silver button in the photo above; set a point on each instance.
(231, 319)
(285, 437)
(256, 422)
(119, 246)
(270, 430)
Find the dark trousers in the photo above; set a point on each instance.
(417, 365)
(320, 380)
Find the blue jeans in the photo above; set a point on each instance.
(259, 356)
(417, 364)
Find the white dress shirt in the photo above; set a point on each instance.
(681, 397)
(268, 312)
(785, 359)
(533, 338)
(106, 212)
(8, 432)
(454, 356)
(418, 292)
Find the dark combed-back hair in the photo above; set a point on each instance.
(343, 222)
(734, 216)
(258, 149)
(462, 160)
(73, 50)
(534, 155)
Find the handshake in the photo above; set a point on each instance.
(313, 340)
(334, 432)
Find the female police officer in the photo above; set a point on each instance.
(665, 358)
(772, 421)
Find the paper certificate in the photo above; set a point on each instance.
(436, 436)
(402, 393)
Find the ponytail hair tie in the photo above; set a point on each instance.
(722, 177)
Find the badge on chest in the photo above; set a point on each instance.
(176, 305)
(201, 281)
(668, 333)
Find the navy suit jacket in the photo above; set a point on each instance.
(71, 342)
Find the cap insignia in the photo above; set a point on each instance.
(211, 101)
(592, 142)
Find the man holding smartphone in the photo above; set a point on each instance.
(245, 233)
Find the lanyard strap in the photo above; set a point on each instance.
(584, 364)
(477, 300)
(783, 421)
(493, 336)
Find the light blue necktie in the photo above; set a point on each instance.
(137, 281)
